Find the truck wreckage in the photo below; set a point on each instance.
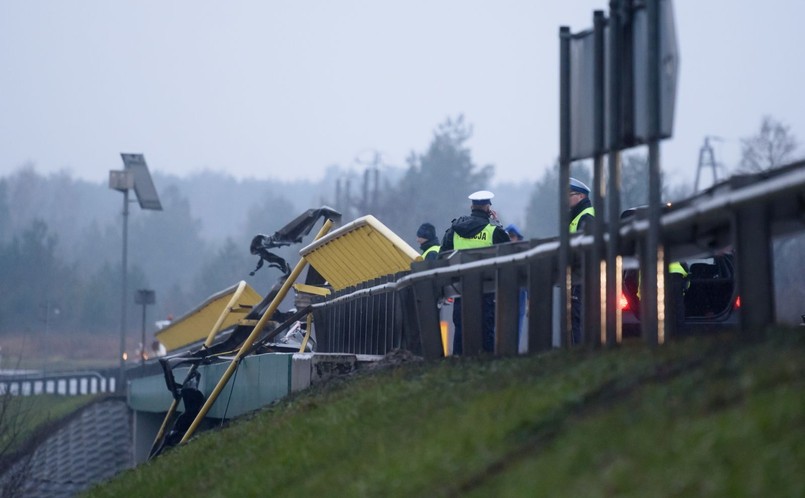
(358, 252)
(256, 333)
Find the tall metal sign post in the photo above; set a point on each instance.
(135, 176)
(612, 98)
(614, 272)
(565, 129)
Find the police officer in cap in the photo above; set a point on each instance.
(581, 213)
(581, 208)
(480, 229)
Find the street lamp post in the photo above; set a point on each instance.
(144, 297)
(123, 181)
(134, 176)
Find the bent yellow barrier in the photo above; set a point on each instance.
(194, 326)
(233, 301)
(246, 346)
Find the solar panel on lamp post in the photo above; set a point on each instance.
(135, 176)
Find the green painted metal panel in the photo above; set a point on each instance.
(258, 381)
(149, 394)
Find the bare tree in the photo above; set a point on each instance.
(15, 463)
(773, 146)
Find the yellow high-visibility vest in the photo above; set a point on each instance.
(481, 239)
(429, 250)
(675, 267)
(574, 224)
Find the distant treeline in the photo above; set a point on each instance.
(61, 238)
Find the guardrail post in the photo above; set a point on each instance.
(412, 335)
(507, 305)
(541, 277)
(323, 323)
(397, 319)
(425, 318)
(591, 302)
(754, 269)
(472, 316)
(376, 332)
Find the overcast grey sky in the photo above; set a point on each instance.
(284, 89)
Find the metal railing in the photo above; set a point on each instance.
(745, 212)
(61, 383)
(362, 319)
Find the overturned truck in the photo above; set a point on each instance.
(362, 252)
(257, 332)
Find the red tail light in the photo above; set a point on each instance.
(737, 304)
(623, 303)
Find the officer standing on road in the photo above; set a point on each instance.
(581, 213)
(480, 229)
(428, 243)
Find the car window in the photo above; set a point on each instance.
(708, 261)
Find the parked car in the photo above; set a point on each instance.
(711, 296)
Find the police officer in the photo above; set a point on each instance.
(514, 233)
(479, 229)
(678, 284)
(581, 213)
(428, 243)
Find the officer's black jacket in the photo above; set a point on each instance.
(469, 226)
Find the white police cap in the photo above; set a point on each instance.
(481, 197)
(577, 186)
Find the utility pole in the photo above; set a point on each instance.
(707, 158)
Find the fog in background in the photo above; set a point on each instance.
(249, 113)
(283, 90)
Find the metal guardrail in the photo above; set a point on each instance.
(61, 383)
(744, 212)
(363, 319)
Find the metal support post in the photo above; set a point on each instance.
(565, 326)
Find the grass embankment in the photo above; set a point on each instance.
(710, 416)
(22, 417)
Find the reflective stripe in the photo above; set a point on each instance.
(429, 250)
(574, 224)
(481, 239)
(676, 267)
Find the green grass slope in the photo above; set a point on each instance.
(22, 416)
(702, 417)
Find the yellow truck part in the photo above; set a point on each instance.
(359, 251)
(195, 325)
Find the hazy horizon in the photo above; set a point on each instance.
(283, 91)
